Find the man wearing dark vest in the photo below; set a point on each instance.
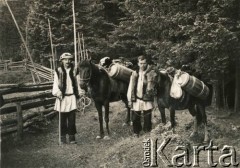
(66, 90)
(140, 96)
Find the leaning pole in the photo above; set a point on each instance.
(29, 55)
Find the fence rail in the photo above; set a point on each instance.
(40, 102)
(25, 65)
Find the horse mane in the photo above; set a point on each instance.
(164, 77)
(95, 68)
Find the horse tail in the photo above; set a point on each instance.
(199, 114)
(208, 100)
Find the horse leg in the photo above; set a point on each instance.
(172, 118)
(201, 109)
(162, 112)
(100, 118)
(106, 118)
(127, 120)
(193, 112)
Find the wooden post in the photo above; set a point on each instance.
(78, 49)
(84, 54)
(19, 121)
(50, 35)
(74, 32)
(51, 64)
(79, 40)
(56, 59)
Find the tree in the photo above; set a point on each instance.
(201, 33)
(10, 40)
(92, 20)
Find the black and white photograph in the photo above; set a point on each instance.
(119, 83)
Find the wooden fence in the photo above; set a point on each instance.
(42, 71)
(7, 65)
(37, 97)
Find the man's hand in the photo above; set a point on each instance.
(59, 95)
(82, 92)
(130, 104)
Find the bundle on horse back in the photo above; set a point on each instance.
(194, 104)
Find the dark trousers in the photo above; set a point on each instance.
(136, 118)
(68, 123)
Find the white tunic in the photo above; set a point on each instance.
(139, 105)
(68, 103)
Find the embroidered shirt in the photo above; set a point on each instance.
(69, 102)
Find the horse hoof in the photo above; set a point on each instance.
(98, 137)
(193, 134)
(125, 124)
(106, 138)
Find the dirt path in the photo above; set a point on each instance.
(40, 149)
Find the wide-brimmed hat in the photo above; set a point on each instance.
(65, 55)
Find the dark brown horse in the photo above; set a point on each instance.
(195, 106)
(103, 90)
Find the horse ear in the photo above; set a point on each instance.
(77, 69)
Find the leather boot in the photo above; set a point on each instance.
(72, 139)
(63, 139)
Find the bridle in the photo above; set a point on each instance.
(86, 80)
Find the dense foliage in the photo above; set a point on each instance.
(201, 33)
(94, 19)
(205, 34)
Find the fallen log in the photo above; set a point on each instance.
(25, 117)
(25, 98)
(26, 89)
(5, 131)
(7, 86)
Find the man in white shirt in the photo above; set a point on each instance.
(140, 99)
(66, 90)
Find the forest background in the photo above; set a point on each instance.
(205, 34)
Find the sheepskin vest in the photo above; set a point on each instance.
(61, 72)
(146, 96)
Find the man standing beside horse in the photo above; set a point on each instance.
(141, 96)
(66, 90)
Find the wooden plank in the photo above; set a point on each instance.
(24, 98)
(25, 117)
(25, 89)
(19, 121)
(23, 84)
(11, 109)
(5, 131)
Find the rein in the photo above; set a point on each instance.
(86, 79)
(83, 102)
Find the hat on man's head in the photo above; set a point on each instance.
(65, 55)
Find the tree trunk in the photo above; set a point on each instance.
(237, 87)
(216, 95)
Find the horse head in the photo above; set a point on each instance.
(84, 72)
(159, 80)
(152, 80)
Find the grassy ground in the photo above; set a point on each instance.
(40, 148)
(15, 77)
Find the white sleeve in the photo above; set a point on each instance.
(55, 89)
(129, 92)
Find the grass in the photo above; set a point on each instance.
(15, 77)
